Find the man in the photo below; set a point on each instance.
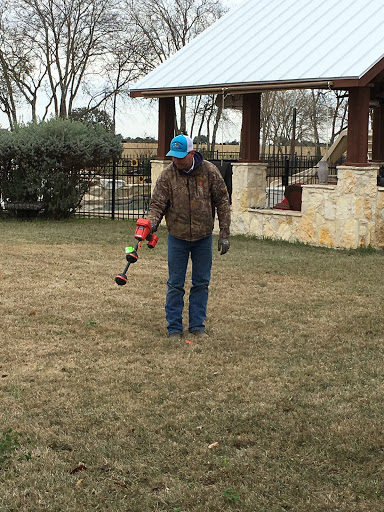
(188, 192)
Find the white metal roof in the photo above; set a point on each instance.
(277, 41)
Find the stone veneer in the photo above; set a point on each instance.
(157, 166)
(347, 215)
(380, 218)
(343, 215)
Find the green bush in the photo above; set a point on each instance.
(48, 162)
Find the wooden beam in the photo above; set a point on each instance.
(166, 126)
(378, 134)
(358, 112)
(373, 72)
(345, 83)
(250, 129)
(236, 88)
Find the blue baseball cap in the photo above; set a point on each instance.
(180, 146)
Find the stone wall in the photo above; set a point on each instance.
(344, 215)
(380, 218)
(347, 215)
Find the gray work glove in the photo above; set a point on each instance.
(223, 245)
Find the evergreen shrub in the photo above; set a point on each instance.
(47, 163)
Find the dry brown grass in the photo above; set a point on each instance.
(289, 385)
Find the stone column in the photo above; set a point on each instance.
(157, 166)
(248, 190)
(348, 215)
(356, 207)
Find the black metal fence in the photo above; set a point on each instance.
(122, 190)
(119, 190)
(220, 155)
(225, 168)
(283, 170)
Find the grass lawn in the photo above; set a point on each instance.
(281, 409)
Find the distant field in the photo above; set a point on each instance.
(136, 149)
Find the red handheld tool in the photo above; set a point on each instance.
(143, 232)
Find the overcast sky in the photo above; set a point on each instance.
(138, 117)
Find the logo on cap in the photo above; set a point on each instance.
(180, 146)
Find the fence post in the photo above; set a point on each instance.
(286, 173)
(113, 188)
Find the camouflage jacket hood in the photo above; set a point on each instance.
(189, 199)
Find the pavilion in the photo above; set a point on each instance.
(266, 45)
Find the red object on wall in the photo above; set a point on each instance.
(284, 205)
(292, 199)
(293, 194)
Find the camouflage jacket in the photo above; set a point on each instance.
(189, 201)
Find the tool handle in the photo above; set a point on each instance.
(126, 267)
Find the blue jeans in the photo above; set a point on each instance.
(178, 256)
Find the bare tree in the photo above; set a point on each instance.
(8, 94)
(267, 107)
(318, 116)
(194, 106)
(118, 68)
(64, 51)
(314, 111)
(166, 26)
(69, 37)
(276, 119)
(338, 111)
(87, 52)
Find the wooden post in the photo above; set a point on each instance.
(357, 142)
(250, 129)
(378, 134)
(166, 126)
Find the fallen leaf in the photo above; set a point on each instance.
(78, 483)
(120, 484)
(80, 467)
(213, 445)
(33, 313)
